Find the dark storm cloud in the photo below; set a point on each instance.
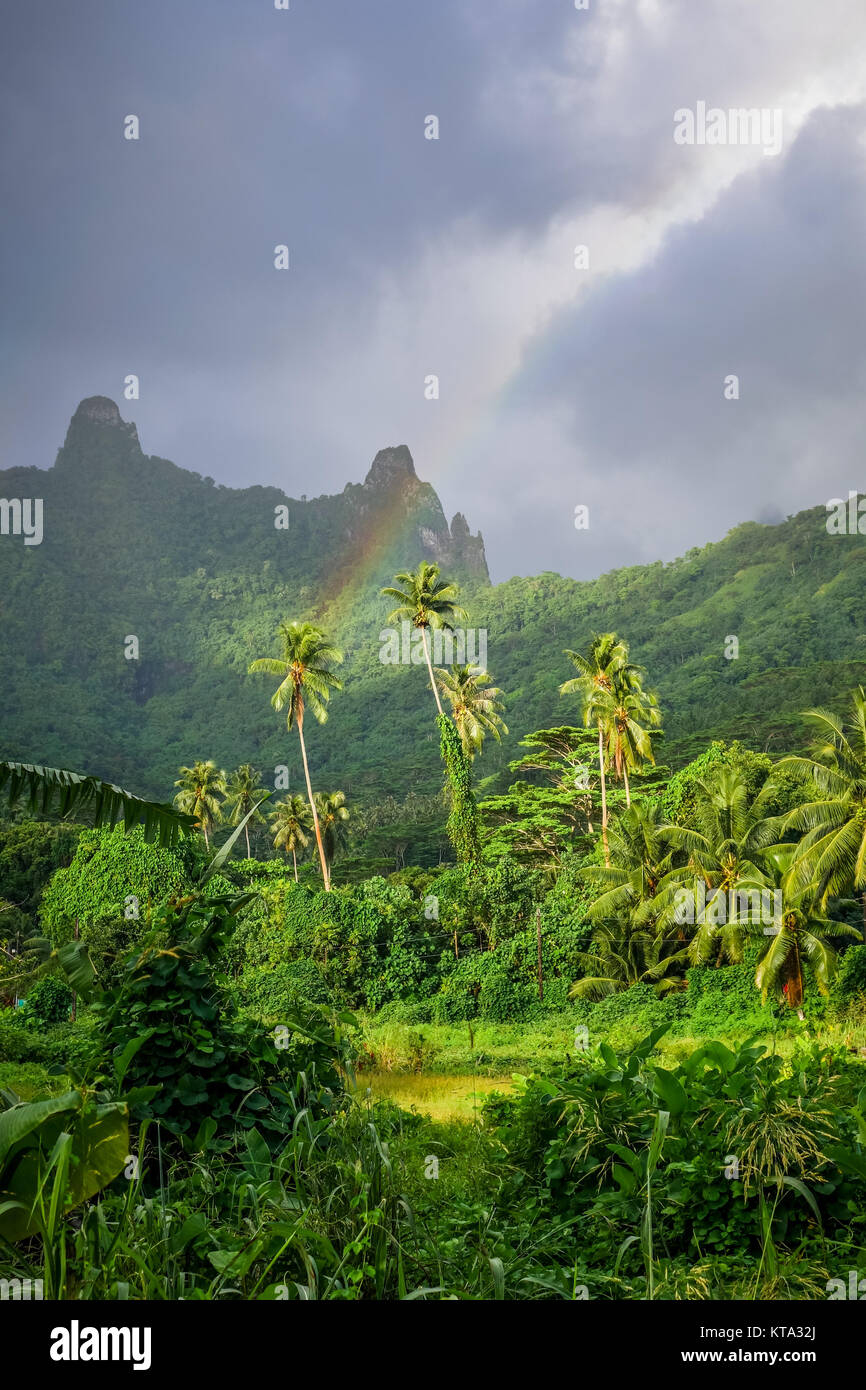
(411, 257)
(770, 288)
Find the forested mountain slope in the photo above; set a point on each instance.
(200, 574)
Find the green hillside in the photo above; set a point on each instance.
(200, 574)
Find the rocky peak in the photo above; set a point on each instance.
(99, 408)
(391, 467)
(96, 414)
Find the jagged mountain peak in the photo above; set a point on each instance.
(390, 466)
(100, 408)
(98, 416)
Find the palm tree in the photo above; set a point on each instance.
(291, 826)
(307, 677)
(731, 868)
(475, 705)
(601, 673)
(333, 814)
(799, 941)
(627, 943)
(832, 852)
(201, 786)
(243, 784)
(633, 713)
(642, 869)
(426, 601)
(622, 960)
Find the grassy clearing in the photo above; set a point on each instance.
(449, 1097)
(31, 1081)
(489, 1051)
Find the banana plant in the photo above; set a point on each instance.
(45, 789)
(54, 1154)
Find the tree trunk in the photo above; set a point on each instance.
(247, 833)
(625, 779)
(322, 861)
(603, 796)
(295, 862)
(206, 840)
(430, 669)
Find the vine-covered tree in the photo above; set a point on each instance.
(463, 830)
(476, 705)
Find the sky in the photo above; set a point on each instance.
(598, 380)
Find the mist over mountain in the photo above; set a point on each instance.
(200, 575)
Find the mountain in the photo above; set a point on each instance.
(135, 547)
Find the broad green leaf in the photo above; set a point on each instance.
(670, 1090)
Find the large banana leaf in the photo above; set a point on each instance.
(45, 789)
(29, 1134)
(73, 959)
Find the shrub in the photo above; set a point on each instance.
(196, 1065)
(48, 1001)
(850, 980)
(64, 1045)
(272, 991)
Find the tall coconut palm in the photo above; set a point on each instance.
(333, 815)
(307, 678)
(291, 826)
(632, 714)
(427, 601)
(475, 705)
(241, 798)
(832, 852)
(605, 666)
(201, 787)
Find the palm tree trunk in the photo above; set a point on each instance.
(206, 840)
(799, 988)
(625, 779)
(324, 865)
(603, 796)
(430, 669)
(295, 862)
(247, 833)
